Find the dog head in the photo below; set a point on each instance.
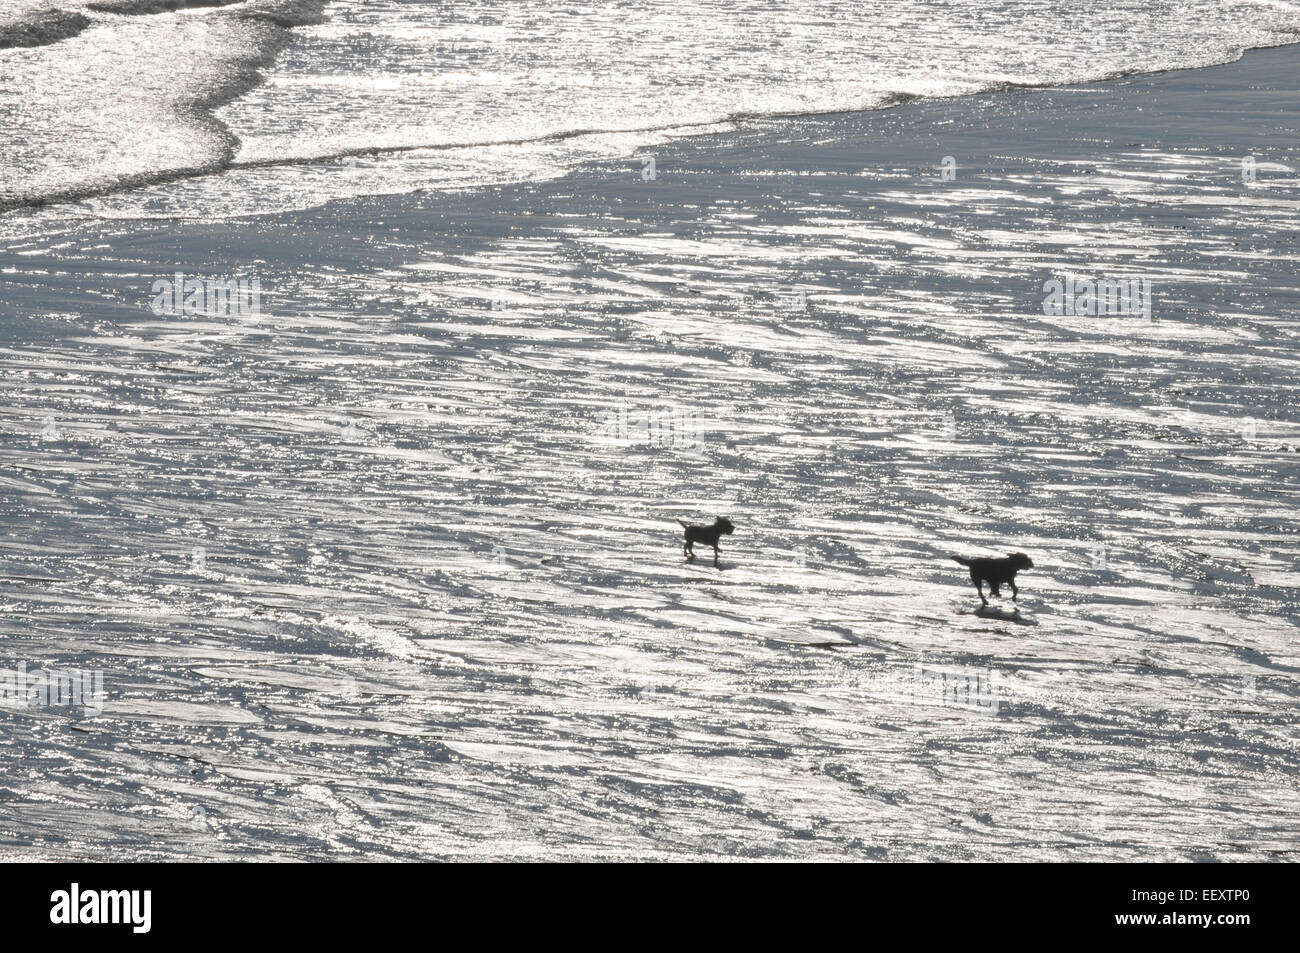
(1020, 560)
(724, 524)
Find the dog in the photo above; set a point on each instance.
(709, 535)
(996, 572)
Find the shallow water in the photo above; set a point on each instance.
(391, 569)
(246, 107)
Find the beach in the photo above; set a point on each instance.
(387, 567)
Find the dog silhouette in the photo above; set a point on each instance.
(709, 535)
(996, 572)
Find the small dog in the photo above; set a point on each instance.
(709, 535)
(996, 572)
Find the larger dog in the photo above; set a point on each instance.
(709, 535)
(997, 573)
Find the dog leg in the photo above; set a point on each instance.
(715, 556)
(980, 589)
(1014, 590)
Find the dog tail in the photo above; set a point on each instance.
(964, 562)
(684, 525)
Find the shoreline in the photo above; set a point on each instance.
(676, 133)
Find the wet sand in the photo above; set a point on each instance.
(392, 569)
